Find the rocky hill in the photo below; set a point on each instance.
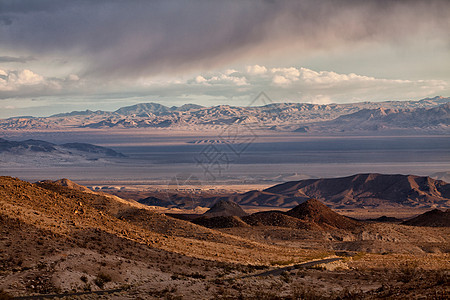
(277, 219)
(220, 222)
(313, 211)
(432, 218)
(311, 214)
(225, 208)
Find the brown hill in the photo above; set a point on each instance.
(72, 185)
(220, 222)
(315, 212)
(225, 208)
(278, 219)
(257, 198)
(432, 218)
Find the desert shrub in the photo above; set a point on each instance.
(350, 294)
(175, 277)
(282, 262)
(101, 279)
(286, 277)
(306, 293)
(84, 279)
(441, 277)
(359, 255)
(408, 271)
(5, 296)
(196, 275)
(41, 265)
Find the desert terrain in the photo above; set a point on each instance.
(60, 238)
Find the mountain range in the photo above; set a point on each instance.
(429, 115)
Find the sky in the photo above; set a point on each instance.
(59, 56)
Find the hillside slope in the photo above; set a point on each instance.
(432, 218)
(70, 213)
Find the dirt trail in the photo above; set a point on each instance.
(308, 264)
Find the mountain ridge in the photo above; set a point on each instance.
(295, 117)
(358, 191)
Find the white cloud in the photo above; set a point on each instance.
(27, 83)
(221, 79)
(281, 80)
(256, 70)
(13, 80)
(200, 79)
(306, 85)
(27, 77)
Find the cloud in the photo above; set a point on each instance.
(287, 84)
(256, 70)
(8, 59)
(134, 39)
(225, 78)
(26, 83)
(14, 80)
(298, 84)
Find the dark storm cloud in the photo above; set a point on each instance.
(136, 38)
(22, 59)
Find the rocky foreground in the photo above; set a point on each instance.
(59, 238)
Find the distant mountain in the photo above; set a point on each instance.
(357, 191)
(432, 218)
(147, 109)
(142, 109)
(427, 115)
(258, 198)
(225, 208)
(22, 147)
(93, 149)
(380, 119)
(32, 152)
(370, 190)
(86, 112)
